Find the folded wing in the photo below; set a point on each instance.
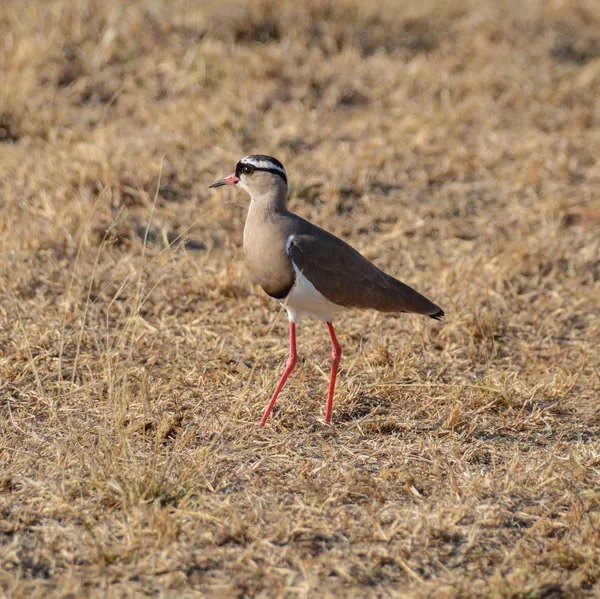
(347, 278)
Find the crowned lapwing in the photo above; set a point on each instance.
(310, 271)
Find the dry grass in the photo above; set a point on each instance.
(457, 144)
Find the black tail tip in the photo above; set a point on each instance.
(438, 315)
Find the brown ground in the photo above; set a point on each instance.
(456, 144)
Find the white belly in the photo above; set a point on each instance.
(305, 301)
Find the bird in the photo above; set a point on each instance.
(310, 271)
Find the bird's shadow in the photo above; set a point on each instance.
(362, 406)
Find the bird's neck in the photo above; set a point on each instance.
(268, 203)
(265, 214)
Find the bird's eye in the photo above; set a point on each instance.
(248, 171)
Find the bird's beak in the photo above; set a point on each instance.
(229, 180)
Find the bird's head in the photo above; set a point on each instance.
(259, 175)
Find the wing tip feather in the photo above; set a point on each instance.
(438, 315)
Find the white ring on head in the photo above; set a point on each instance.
(251, 161)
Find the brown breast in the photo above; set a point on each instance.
(265, 236)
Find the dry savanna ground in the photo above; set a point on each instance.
(456, 144)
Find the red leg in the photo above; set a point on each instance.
(291, 362)
(336, 354)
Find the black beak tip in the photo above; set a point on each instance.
(216, 184)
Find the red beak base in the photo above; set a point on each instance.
(229, 180)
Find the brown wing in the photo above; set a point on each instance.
(348, 279)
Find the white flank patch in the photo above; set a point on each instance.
(305, 301)
(288, 243)
(262, 164)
